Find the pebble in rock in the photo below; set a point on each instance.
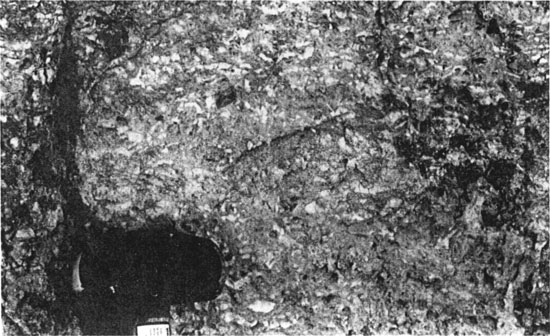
(25, 234)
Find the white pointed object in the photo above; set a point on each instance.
(77, 284)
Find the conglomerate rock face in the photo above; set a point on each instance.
(365, 167)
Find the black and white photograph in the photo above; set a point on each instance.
(272, 168)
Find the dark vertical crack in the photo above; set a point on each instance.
(67, 121)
